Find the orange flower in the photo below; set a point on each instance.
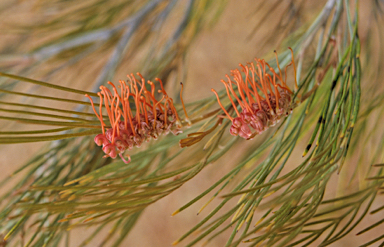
(263, 98)
(149, 118)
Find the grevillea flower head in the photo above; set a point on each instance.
(263, 98)
(131, 126)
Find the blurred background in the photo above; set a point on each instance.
(84, 44)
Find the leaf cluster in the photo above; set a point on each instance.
(263, 198)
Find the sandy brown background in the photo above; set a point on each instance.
(211, 56)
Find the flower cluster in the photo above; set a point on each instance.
(149, 118)
(263, 98)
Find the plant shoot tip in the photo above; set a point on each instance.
(176, 212)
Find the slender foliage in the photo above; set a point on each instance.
(269, 196)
